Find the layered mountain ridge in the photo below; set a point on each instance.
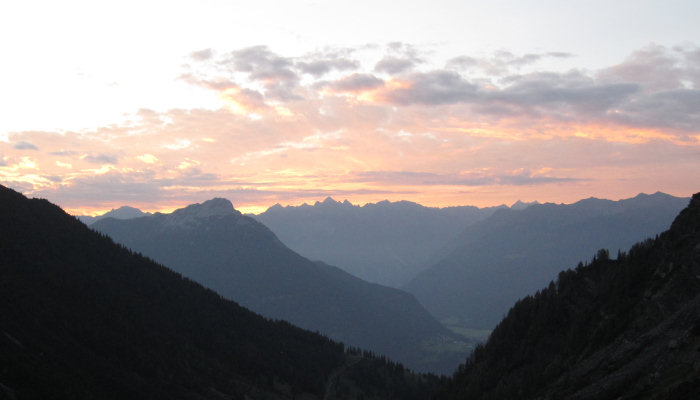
(622, 328)
(243, 260)
(385, 242)
(124, 212)
(84, 318)
(513, 253)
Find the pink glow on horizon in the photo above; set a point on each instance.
(439, 137)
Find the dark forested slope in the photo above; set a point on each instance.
(242, 260)
(615, 329)
(513, 253)
(84, 318)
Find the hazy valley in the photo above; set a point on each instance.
(92, 315)
(350, 200)
(241, 259)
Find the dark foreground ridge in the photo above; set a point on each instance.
(84, 318)
(613, 329)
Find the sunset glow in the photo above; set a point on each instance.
(263, 119)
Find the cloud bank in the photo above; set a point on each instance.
(476, 130)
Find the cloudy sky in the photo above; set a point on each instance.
(159, 104)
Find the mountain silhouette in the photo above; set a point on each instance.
(124, 212)
(385, 242)
(241, 259)
(84, 318)
(613, 329)
(494, 262)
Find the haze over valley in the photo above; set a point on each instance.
(361, 200)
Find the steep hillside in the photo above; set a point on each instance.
(615, 329)
(385, 242)
(83, 318)
(242, 260)
(513, 253)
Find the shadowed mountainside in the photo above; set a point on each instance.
(615, 329)
(513, 253)
(385, 242)
(244, 261)
(84, 318)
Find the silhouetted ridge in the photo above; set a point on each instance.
(687, 223)
(622, 328)
(241, 259)
(83, 318)
(385, 242)
(124, 212)
(500, 259)
(210, 208)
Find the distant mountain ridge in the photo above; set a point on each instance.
(521, 205)
(614, 329)
(385, 242)
(84, 318)
(124, 212)
(243, 260)
(498, 260)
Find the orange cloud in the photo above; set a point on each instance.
(438, 136)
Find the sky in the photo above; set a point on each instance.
(160, 104)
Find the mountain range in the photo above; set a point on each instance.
(84, 318)
(124, 212)
(385, 242)
(625, 328)
(494, 262)
(242, 260)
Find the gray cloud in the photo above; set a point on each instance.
(568, 96)
(144, 187)
(262, 63)
(654, 87)
(500, 64)
(25, 146)
(126, 188)
(202, 55)
(394, 65)
(318, 68)
(434, 88)
(678, 109)
(551, 90)
(401, 57)
(276, 73)
(63, 153)
(101, 159)
(462, 62)
(22, 187)
(357, 82)
(560, 54)
(524, 178)
(110, 187)
(2, 161)
(657, 68)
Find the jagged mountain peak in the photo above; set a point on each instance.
(194, 213)
(215, 206)
(125, 212)
(328, 201)
(521, 205)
